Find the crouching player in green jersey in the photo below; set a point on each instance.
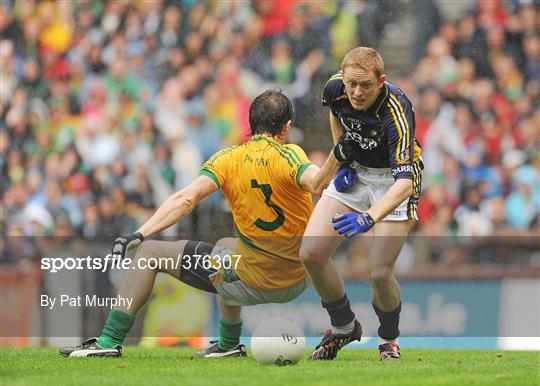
(268, 185)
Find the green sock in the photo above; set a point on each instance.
(116, 328)
(229, 334)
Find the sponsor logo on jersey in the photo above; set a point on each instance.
(402, 169)
(364, 143)
(404, 156)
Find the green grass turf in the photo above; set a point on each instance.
(178, 366)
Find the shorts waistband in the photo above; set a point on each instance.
(360, 168)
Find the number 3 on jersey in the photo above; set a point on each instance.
(280, 219)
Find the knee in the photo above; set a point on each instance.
(312, 257)
(147, 250)
(380, 275)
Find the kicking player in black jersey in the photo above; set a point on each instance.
(376, 190)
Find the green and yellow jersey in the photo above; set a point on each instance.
(261, 181)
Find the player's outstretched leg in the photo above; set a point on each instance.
(90, 348)
(319, 242)
(230, 330)
(385, 248)
(136, 285)
(333, 342)
(389, 350)
(215, 351)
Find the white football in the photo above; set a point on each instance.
(278, 341)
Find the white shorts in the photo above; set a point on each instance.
(238, 293)
(371, 184)
(235, 292)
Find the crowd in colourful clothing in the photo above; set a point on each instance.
(109, 107)
(478, 119)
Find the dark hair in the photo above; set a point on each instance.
(269, 112)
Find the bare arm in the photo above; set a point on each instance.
(398, 192)
(335, 127)
(178, 205)
(315, 180)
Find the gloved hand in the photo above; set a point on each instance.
(345, 179)
(122, 244)
(344, 149)
(350, 223)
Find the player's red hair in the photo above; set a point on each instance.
(366, 58)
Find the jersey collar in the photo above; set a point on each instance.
(259, 137)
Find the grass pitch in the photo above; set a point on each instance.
(178, 366)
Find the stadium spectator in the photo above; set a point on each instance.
(97, 95)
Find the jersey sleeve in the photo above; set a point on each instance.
(217, 167)
(333, 89)
(294, 163)
(400, 126)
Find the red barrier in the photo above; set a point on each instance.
(18, 293)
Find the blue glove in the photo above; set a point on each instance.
(345, 179)
(350, 223)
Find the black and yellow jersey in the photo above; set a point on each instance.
(384, 133)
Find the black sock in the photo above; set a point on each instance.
(389, 321)
(340, 311)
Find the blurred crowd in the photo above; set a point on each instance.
(108, 107)
(477, 90)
